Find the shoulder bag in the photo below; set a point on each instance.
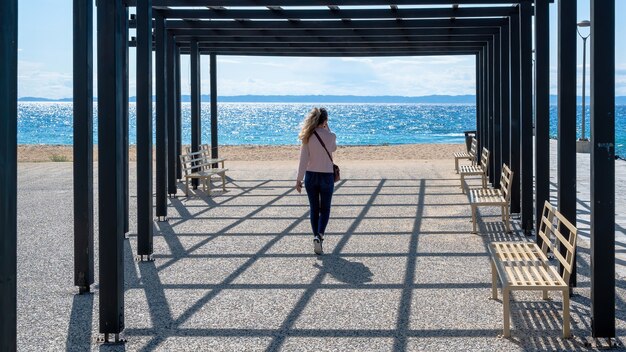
(335, 167)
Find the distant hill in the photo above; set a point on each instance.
(428, 99)
(37, 99)
(438, 99)
(432, 99)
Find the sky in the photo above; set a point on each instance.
(45, 64)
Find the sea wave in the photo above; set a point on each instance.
(279, 123)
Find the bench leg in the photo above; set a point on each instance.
(507, 309)
(545, 295)
(186, 187)
(505, 214)
(566, 332)
(456, 165)
(484, 181)
(462, 182)
(494, 281)
(474, 219)
(224, 182)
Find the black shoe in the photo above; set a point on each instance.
(317, 245)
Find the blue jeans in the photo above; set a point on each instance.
(319, 188)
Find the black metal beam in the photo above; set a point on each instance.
(328, 34)
(329, 46)
(339, 50)
(566, 168)
(8, 176)
(213, 78)
(172, 162)
(461, 51)
(326, 41)
(603, 168)
(144, 130)
(255, 3)
(542, 109)
(526, 116)
(161, 119)
(246, 26)
(327, 14)
(196, 130)
(110, 165)
(514, 58)
(83, 145)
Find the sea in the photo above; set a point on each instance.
(279, 123)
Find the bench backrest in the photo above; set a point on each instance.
(484, 160)
(201, 148)
(506, 180)
(194, 162)
(473, 150)
(554, 224)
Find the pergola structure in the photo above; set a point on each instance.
(498, 33)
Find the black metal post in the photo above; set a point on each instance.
(567, 113)
(213, 72)
(196, 131)
(526, 116)
(482, 142)
(514, 58)
(161, 117)
(479, 96)
(111, 165)
(171, 115)
(603, 168)
(506, 98)
(496, 164)
(542, 108)
(179, 131)
(8, 176)
(125, 118)
(478, 88)
(83, 145)
(144, 130)
(490, 103)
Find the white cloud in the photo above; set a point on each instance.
(34, 79)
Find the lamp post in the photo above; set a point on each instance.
(581, 24)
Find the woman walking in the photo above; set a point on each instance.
(316, 168)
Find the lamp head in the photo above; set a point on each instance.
(584, 23)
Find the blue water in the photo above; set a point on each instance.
(279, 124)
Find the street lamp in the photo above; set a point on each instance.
(581, 24)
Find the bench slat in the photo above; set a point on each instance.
(563, 240)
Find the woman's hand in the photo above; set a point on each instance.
(299, 186)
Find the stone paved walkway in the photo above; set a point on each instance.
(235, 271)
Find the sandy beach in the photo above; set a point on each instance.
(63, 153)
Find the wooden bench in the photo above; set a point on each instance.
(471, 156)
(499, 197)
(525, 265)
(476, 170)
(196, 165)
(206, 149)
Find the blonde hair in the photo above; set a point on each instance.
(314, 118)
